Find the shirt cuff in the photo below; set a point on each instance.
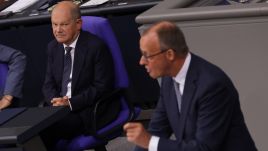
(153, 144)
(70, 105)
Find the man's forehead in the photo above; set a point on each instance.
(149, 38)
(149, 47)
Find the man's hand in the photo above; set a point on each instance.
(5, 101)
(137, 134)
(60, 101)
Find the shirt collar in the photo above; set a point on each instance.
(181, 76)
(73, 44)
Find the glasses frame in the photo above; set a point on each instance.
(147, 57)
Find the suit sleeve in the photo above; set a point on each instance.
(214, 114)
(16, 63)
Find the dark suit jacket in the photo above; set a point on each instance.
(92, 76)
(211, 118)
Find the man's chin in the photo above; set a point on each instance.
(153, 76)
(60, 40)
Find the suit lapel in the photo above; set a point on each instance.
(79, 57)
(172, 105)
(58, 61)
(187, 97)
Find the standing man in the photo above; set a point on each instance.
(16, 62)
(198, 102)
(79, 71)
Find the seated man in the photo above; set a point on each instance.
(79, 72)
(16, 65)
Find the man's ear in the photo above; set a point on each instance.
(170, 54)
(79, 23)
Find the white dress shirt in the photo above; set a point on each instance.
(69, 85)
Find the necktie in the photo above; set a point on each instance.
(178, 94)
(66, 70)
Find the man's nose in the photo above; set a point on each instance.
(142, 60)
(58, 29)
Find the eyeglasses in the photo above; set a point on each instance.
(150, 56)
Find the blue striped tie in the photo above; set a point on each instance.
(178, 94)
(66, 71)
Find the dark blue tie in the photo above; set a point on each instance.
(178, 94)
(66, 71)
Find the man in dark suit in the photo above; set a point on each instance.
(12, 90)
(90, 74)
(198, 102)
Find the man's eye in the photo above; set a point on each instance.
(145, 55)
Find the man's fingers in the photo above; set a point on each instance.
(55, 104)
(131, 136)
(55, 100)
(136, 134)
(65, 98)
(132, 131)
(131, 125)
